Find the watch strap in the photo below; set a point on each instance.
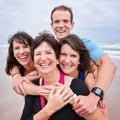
(98, 91)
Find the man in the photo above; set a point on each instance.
(62, 24)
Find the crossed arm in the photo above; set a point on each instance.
(106, 71)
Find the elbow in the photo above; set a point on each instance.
(114, 67)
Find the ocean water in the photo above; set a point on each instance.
(112, 49)
(12, 101)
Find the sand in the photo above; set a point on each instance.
(11, 104)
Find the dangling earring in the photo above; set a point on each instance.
(35, 65)
(79, 65)
(57, 62)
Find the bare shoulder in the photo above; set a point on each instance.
(68, 80)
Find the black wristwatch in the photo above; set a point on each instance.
(98, 91)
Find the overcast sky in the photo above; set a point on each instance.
(94, 19)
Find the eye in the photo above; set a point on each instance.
(66, 21)
(16, 48)
(37, 54)
(26, 46)
(63, 54)
(73, 56)
(56, 21)
(48, 52)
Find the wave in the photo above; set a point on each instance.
(108, 46)
(3, 45)
(113, 53)
(113, 50)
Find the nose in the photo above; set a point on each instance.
(61, 24)
(43, 57)
(67, 59)
(21, 50)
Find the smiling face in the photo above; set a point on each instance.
(69, 60)
(45, 59)
(22, 53)
(61, 23)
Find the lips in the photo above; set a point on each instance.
(61, 31)
(45, 65)
(23, 58)
(66, 66)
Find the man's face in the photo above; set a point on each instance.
(61, 24)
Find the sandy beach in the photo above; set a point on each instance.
(11, 104)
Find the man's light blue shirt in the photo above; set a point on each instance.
(95, 51)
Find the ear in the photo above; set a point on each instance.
(79, 64)
(51, 25)
(57, 62)
(35, 65)
(73, 23)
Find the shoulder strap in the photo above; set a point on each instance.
(81, 75)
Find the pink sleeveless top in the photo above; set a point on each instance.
(42, 98)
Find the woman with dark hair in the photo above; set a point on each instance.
(75, 61)
(18, 44)
(19, 53)
(57, 106)
(19, 57)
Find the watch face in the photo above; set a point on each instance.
(98, 91)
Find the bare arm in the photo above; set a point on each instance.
(55, 102)
(32, 89)
(106, 72)
(98, 114)
(91, 101)
(44, 114)
(106, 67)
(26, 88)
(17, 80)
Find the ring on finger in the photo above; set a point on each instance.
(74, 96)
(64, 99)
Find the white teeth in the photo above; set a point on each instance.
(67, 66)
(61, 31)
(22, 57)
(44, 65)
